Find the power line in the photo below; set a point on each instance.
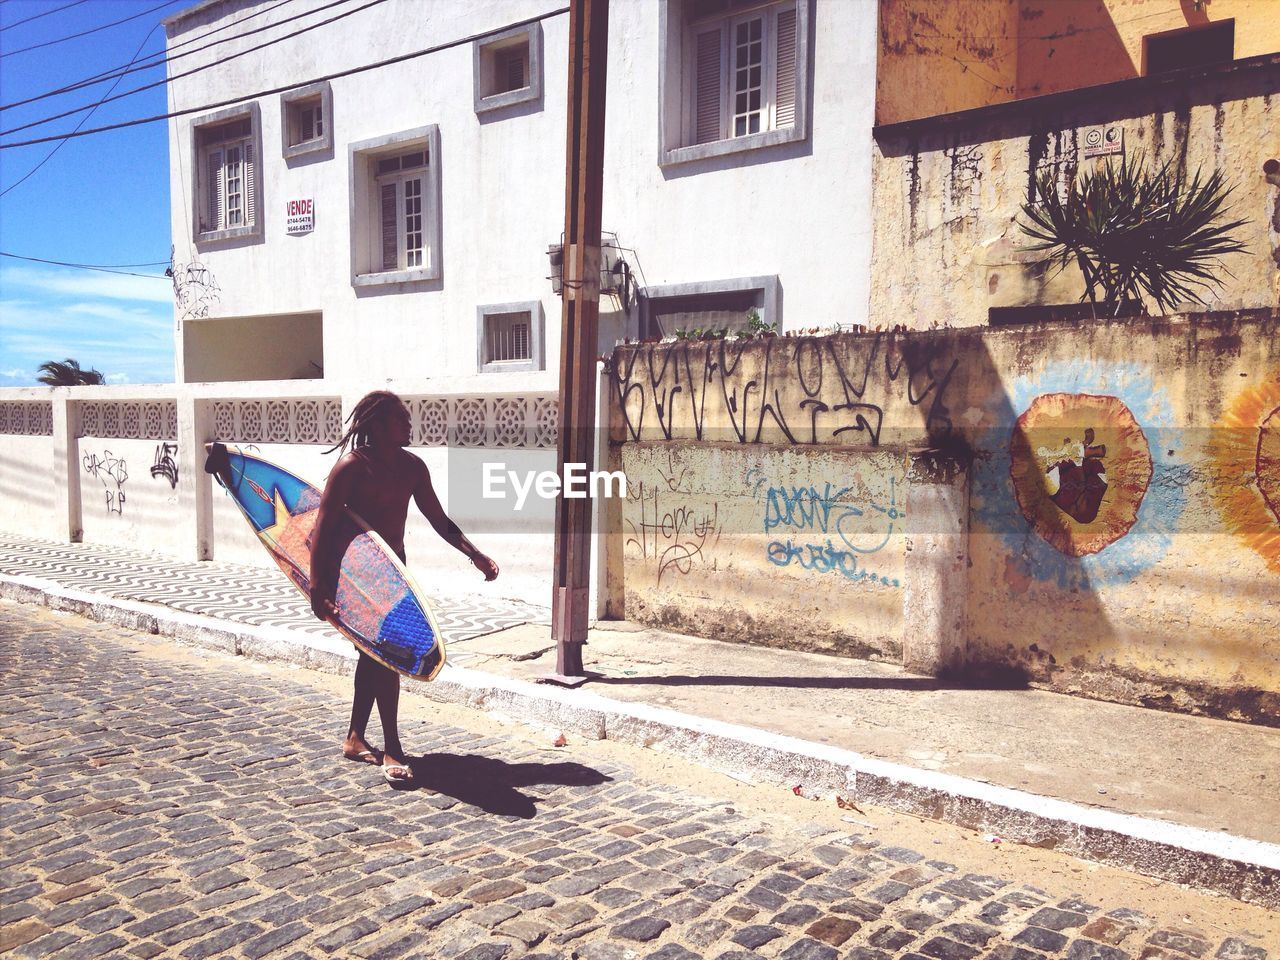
(94, 267)
(290, 86)
(194, 70)
(83, 120)
(85, 33)
(170, 57)
(45, 13)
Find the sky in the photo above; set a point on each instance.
(100, 199)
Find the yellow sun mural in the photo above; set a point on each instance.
(1245, 451)
(1080, 467)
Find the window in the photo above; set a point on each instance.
(306, 120)
(399, 223)
(508, 68)
(1190, 47)
(734, 76)
(509, 337)
(713, 305)
(395, 185)
(228, 186)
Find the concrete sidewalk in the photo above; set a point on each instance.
(1188, 799)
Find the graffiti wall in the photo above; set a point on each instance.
(764, 544)
(1123, 497)
(129, 492)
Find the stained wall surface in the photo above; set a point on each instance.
(1124, 498)
(948, 197)
(942, 56)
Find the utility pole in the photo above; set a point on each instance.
(580, 322)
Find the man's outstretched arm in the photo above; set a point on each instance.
(424, 495)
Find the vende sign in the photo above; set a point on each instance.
(300, 215)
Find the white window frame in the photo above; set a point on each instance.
(203, 153)
(537, 337)
(366, 207)
(678, 82)
(407, 258)
(483, 53)
(290, 103)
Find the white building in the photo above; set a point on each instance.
(737, 174)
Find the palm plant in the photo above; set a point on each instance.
(1136, 234)
(67, 373)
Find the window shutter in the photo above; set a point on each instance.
(390, 251)
(515, 71)
(707, 90)
(214, 190)
(250, 177)
(785, 99)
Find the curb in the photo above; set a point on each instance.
(1238, 867)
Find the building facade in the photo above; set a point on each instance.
(395, 222)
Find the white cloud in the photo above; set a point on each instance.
(117, 378)
(132, 345)
(110, 285)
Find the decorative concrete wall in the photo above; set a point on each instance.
(123, 466)
(1094, 508)
(949, 189)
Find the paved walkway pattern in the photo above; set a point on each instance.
(232, 592)
(159, 808)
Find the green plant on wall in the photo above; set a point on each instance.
(1136, 234)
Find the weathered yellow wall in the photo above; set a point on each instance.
(1066, 44)
(938, 57)
(746, 458)
(945, 243)
(941, 56)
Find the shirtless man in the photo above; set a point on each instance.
(375, 480)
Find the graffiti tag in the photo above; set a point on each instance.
(113, 472)
(673, 388)
(164, 465)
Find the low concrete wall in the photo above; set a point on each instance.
(123, 466)
(1093, 508)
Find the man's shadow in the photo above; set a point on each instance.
(491, 784)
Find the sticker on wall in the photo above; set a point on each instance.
(1080, 467)
(1245, 453)
(1083, 481)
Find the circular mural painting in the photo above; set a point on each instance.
(1080, 467)
(1267, 461)
(1245, 451)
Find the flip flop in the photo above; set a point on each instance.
(397, 781)
(372, 757)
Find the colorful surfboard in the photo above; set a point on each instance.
(380, 609)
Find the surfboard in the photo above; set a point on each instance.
(379, 607)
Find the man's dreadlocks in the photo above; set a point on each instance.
(371, 408)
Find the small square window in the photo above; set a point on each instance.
(508, 68)
(306, 120)
(509, 337)
(1190, 47)
(506, 337)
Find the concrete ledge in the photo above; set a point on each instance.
(1238, 867)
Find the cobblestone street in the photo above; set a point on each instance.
(171, 804)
